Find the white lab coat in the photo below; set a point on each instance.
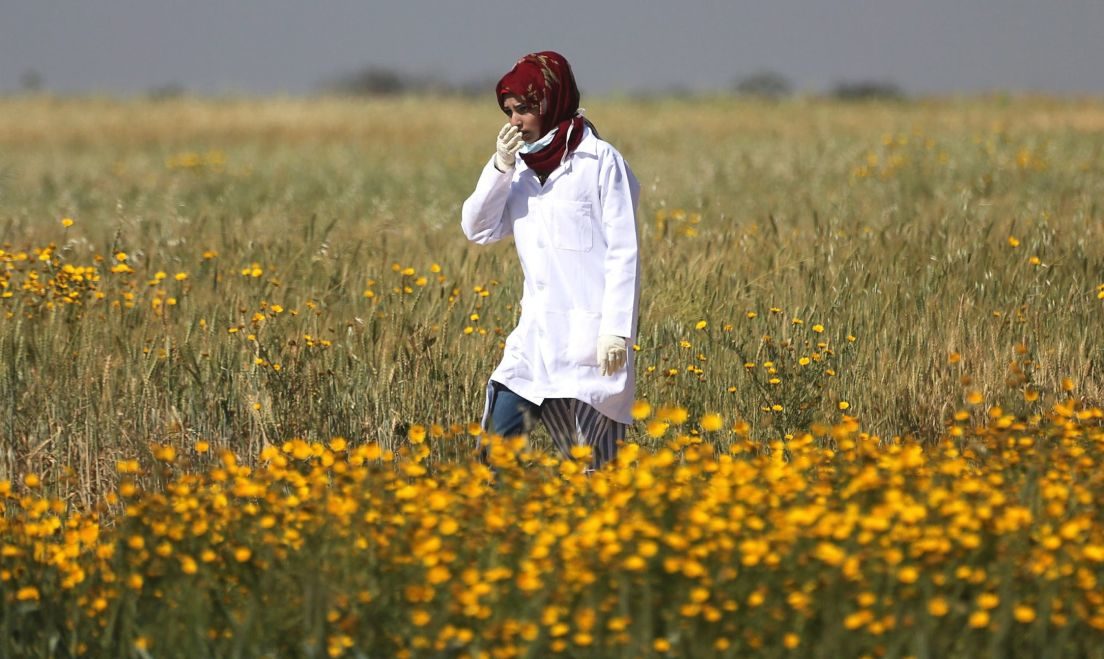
(576, 238)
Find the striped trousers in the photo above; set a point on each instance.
(570, 422)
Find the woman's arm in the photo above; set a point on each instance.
(483, 216)
(619, 193)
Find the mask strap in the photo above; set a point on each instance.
(567, 143)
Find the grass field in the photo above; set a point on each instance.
(183, 281)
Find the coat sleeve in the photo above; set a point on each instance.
(620, 193)
(483, 216)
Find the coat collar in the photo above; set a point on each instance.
(588, 147)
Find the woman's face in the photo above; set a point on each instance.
(524, 116)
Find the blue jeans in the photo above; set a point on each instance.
(570, 423)
(511, 415)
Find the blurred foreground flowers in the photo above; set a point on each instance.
(834, 543)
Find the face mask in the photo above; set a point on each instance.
(533, 147)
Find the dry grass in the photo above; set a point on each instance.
(888, 223)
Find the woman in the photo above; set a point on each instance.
(569, 200)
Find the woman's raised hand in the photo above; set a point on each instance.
(509, 142)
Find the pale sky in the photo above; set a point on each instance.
(289, 47)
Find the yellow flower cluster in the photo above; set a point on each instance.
(38, 278)
(676, 223)
(213, 160)
(42, 279)
(834, 539)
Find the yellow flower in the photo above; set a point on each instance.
(829, 553)
(843, 405)
(938, 607)
(27, 594)
(32, 480)
(187, 565)
(66, 222)
(438, 574)
(857, 619)
(416, 434)
(675, 415)
(1023, 613)
(1013, 242)
(712, 422)
(908, 574)
(641, 409)
(979, 619)
(580, 452)
(988, 601)
(1094, 553)
(701, 324)
(818, 328)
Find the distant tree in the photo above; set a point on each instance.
(476, 87)
(371, 81)
(30, 81)
(166, 92)
(867, 90)
(765, 84)
(379, 81)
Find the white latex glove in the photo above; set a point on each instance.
(611, 354)
(509, 141)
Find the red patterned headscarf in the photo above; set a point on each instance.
(544, 81)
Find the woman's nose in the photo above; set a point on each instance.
(515, 119)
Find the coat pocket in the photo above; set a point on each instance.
(582, 337)
(571, 226)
